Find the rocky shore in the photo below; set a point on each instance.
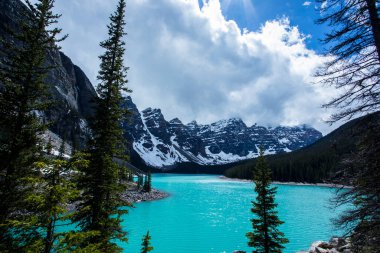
(134, 195)
(335, 245)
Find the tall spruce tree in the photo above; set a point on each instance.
(148, 182)
(99, 209)
(354, 44)
(23, 94)
(140, 181)
(265, 238)
(145, 245)
(361, 219)
(55, 190)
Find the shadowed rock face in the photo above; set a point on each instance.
(71, 90)
(158, 142)
(162, 143)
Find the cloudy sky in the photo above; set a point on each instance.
(211, 60)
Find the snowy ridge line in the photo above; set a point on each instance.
(161, 143)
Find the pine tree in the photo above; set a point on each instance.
(265, 238)
(75, 241)
(146, 247)
(148, 182)
(354, 47)
(361, 220)
(130, 176)
(23, 96)
(140, 181)
(99, 210)
(55, 190)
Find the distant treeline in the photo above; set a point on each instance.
(319, 162)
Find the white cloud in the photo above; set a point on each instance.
(324, 5)
(194, 64)
(307, 3)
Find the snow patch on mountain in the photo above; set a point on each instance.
(159, 154)
(162, 143)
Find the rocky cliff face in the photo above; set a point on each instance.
(162, 143)
(71, 90)
(158, 142)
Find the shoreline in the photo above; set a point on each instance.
(136, 196)
(329, 185)
(133, 196)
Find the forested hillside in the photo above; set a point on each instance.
(318, 162)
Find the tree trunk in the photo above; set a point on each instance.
(375, 24)
(49, 237)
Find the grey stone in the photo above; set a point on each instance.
(321, 250)
(71, 90)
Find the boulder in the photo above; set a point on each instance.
(321, 250)
(314, 245)
(335, 245)
(325, 245)
(337, 242)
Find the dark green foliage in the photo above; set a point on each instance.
(316, 163)
(99, 210)
(140, 181)
(362, 220)
(355, 69)
(148, 182)
(265, 238)
(23, 95)
(146, 247)
(130, 176)
(55, 191)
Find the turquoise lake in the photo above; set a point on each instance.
(207, 214)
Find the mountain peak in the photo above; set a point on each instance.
(160, 143)
(176, 121)
(149, 112)
(193, 123)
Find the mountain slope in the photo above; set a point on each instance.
(318, 162)
(71, 90)
(153, 141)
(167, 144)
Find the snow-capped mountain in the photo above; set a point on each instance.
(162, 143)
(158, 142)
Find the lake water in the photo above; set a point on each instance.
(207, 214)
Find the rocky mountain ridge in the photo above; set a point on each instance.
(162, 143)
(71, 90)
(159, 143)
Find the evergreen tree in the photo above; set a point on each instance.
(146, 247)
(99, 210)
(361, 220)
(55, 190)
(265, 238)
(148, 182)
(140, 181)
(355, 70)
(23, 95)
(130, 176)
(75, 241)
